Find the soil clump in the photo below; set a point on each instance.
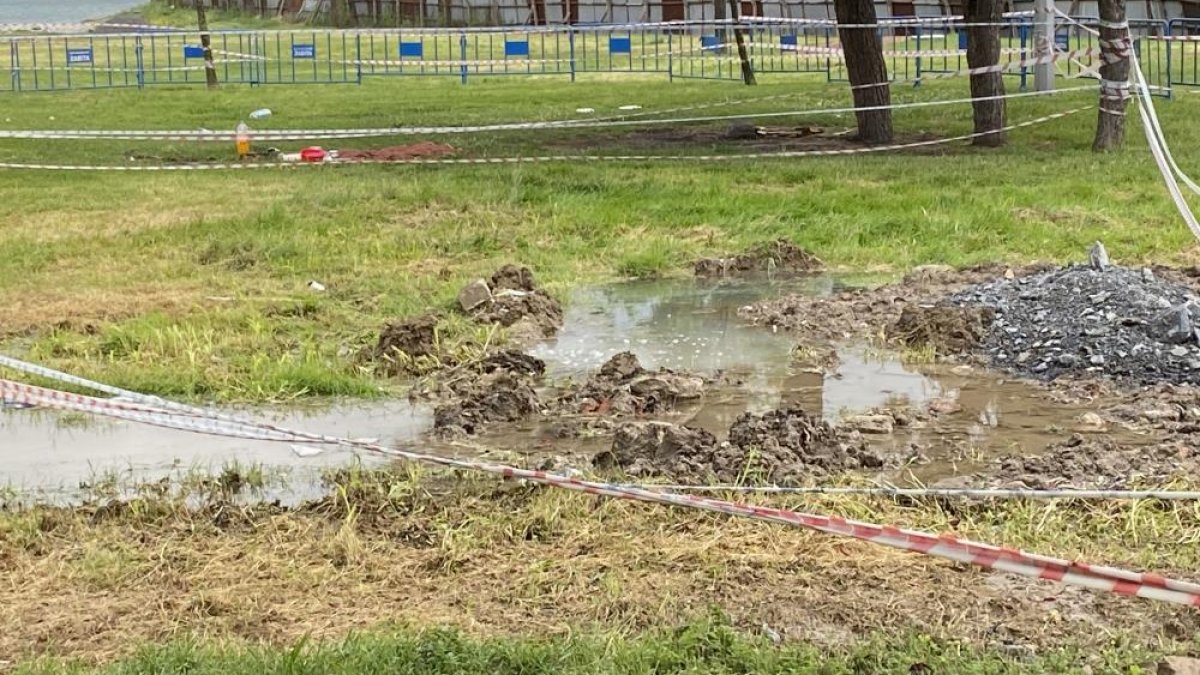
(778, 256)
(512, 299)
(778, 446)
(622, 386)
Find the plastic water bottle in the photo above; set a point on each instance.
(243, 140)
(260, 114)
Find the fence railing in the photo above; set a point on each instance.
(1169, 52)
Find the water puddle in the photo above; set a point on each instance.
(675, 324)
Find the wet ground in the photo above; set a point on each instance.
(946, 418)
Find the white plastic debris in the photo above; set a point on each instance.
(630, 107)
(260, 114)
(316, 286)
(306, 451)
(585, 111)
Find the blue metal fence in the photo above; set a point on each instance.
(1169, 51)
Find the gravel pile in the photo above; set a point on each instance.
(1128, 324)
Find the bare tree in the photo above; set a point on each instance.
(863, 49)
(983, 51)
(1114, 73)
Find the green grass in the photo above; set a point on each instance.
(195, 285)
(709, 646)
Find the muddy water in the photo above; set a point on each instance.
(675, 324)
(53, 452)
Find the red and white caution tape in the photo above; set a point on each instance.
(1032, 565)
(544, 159)
(966, 493)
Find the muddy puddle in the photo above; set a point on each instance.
(950, 417)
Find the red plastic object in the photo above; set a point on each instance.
(313, 154)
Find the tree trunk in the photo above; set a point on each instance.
(743, 56)
(983, 50)
(210, 66)
(1114, 56)
(863, 49)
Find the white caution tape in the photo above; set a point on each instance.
(623, 121)
(540, 159)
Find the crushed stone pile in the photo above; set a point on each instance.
(623, 386)
(1126, 324)
(776, 447)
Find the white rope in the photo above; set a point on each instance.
(969, 493)
(305, 134)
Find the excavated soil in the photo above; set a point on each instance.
(511, 298)
(865, 313)
(623, 387)
(1089, 462)
(402, 342)
(775, 257)
(422, 150)
(499, 397)
(947, 330)
(780, 446)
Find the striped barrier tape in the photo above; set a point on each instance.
(953, 21)
(545, 159)
(967, 493)
(1151, 586)
(1008, 67)
(618, 121)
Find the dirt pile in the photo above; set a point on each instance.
(623, 386)
(502, 396)
(402, 343)
(948, 329)
(779, 446)
(1100, 463)
(422, 150)
(512, 299)
(774, 257)
(867, 312)
(1127, 324)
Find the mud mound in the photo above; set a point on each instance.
(424, 149)
(865, 312)
(511, 361)
(513, 278)
(947, 329)
(623, 386)
(1127, 324)
(401, 342)
(512, 299)
(1095, 463)
(501, 397)
(776, 256)
(797, 444)
(780, 446)
(659, 449)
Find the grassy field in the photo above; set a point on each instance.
(409, 573)
(195, 284)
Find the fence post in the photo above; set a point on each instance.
(917, 80)
(140, 62)
(671, 55)
(571, 44)
(358, 57)
(15, 64)
(462, 48)
(1023, 34)
(1169, 83)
